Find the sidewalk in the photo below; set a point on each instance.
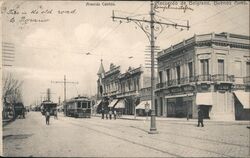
(174, 120)
(180, 120)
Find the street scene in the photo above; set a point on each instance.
(71, 137)
(125, 79)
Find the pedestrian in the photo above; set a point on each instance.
(55, 114)
(47, 116)
(188, 115)
(115, 114)
(102, 113)
(200, 118)
(106, 112)
(110, 114)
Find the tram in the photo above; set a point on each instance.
(78, 107)
(48, 105)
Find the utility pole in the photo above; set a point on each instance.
(142, 23)
(48, 93)
(64, 84)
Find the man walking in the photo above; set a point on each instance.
(55, 114)
(110, 114)
(200, 118)
(115, 114)
(47, 116)
(102, 113)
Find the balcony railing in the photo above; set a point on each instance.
(222, 77)
(200, 78)
(246, 80)
(206, 77)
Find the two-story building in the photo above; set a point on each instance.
(121, 91)
(209, 71)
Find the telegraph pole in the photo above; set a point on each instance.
(48, 94)
(64, 83)
(151, 36)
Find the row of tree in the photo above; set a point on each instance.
(11, 92)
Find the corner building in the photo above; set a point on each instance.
(210, 71)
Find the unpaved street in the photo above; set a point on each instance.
(70, 137)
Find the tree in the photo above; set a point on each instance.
(12, 91)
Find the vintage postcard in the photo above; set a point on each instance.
(125, 78)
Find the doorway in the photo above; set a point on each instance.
(205, 109)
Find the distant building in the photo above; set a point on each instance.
(209, 71)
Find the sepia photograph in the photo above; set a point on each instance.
(125, 78)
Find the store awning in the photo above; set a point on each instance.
(59, 107)
(143, 104)
(120, 104)
(113, 102)
(97, 104)
(204, 99)
(244, 98)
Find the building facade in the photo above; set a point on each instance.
(209, 71)
(121, 91)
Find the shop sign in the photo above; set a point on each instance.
(239, 87)
(176, 90)
(188, 88)
(166, 91)
(224, 87)
(203, 87)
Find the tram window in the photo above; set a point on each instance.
(84, 105)
(79, 105)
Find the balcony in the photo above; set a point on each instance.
(187, 80)
(160, 85)
(218, 78)
(203, 78)
(223, 78)
(246, 80)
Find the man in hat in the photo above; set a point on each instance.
(200, 118)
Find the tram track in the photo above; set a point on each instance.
(172, 142)
(185, 136)
(126, 140)
(158, 139)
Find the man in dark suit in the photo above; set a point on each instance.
(200, 118)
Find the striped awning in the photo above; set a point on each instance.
(120, 104)
(113, 102)
(244, 98)
(143, 105)
(97, 103)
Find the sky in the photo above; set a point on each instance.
(51, 38)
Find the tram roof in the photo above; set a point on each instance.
(78, 99)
